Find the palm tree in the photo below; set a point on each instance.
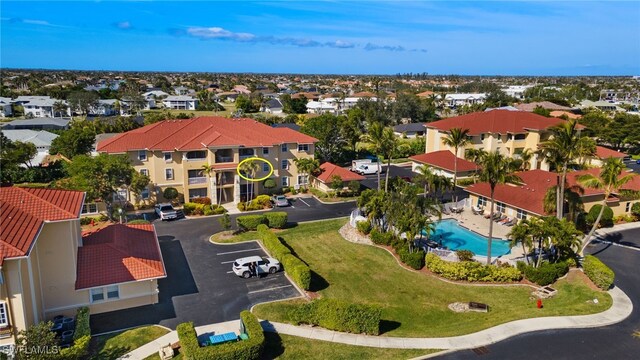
(456, 138)
(388, 146)
(521, 233)
(424, 177)
(525, 158)
(375, 136)
(572, 196)
(474, 156)
(59, 107)
(307, 166)
(495, 169)
(610, 182)
(249, 168)
(563, 148)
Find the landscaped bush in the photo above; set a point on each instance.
(381, 238)
(170, 193)
(547, 273)
(598, 272)
(201, 200)
(607, 216)
(249, 349)
(471, 270)
(414, 260)
(250, 222)
(339, 315)
(465, 182)
(635, 210)
(272, 243)
(364, 227)
(81, 337)
(296, 268)
(464, 255)
(263, 200)
(259, 203)
(138, 222)
(276, 219)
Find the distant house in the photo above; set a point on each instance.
(155, 94)
(180, 102)
(43, 123)
(328, 172)
(5, 107)
(228, 96)
(183, 90)
(603, 153)
(106, 107)
(410, 130)
(443, 163)
(125, 105)
(272, 106)
(601, 105)
(455, 100)
(40, 106)
(516, 91)
(543, 104)
(41, 139)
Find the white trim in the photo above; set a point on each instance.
(61, 308)
(3, 304)
(123, 283)
(170, 184)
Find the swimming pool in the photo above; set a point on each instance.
(455, 237)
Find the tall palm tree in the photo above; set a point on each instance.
(306, 166)
(249, 168)
(563, 148)
(388, 146)
(610, 182)
(207, 170)
(525, 158)
(572, 196)
(375, 136)
(456, 138)
(59, 107)
(495, 169)
(521, 233)
(424, 177)
(474, 156)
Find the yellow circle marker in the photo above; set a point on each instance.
(255, 159)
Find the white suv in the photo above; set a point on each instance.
(264, 265)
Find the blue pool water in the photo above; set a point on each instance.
(455, 237)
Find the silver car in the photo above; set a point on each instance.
(279, 201)
(166, 212)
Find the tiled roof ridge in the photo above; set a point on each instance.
(24, 190)
(189, 122)
(198, 134)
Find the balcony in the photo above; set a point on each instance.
(197, 180)
(224, 159)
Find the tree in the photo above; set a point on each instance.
(331, 142)
(23, 153)
(336, 183)
(424, 177)
(249, 170)
(83, 101)
(245, 104)
(521, 234)
(59, 107)
(37, 342)
(542, 111)
(354, 186)
(495, 169)
(572, 197)
(78, 140)
(225, 222)
(269, 184)
(498, 98)
(456, 138)
(139, 183)
(609, 181)
(306, 166)
(293, 106)
(170, 194)
(524, 158)
(352, 127)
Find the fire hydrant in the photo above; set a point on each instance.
(92, 223)
(539, 303)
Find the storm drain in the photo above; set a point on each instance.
(483, 350)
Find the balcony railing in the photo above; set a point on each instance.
(224, 159)
(197, 180)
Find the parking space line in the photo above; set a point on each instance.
(269, 289)
(233, 252)
(227, 262)
(229, 272)
(304, 202)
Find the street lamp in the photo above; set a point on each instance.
(120, 212)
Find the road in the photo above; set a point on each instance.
(610, 342)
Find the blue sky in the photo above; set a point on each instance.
(362, 37)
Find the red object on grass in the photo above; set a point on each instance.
(539, 304)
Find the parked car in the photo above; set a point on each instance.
(368, 169)
(279, 200)
(264, 265)
(166, 212)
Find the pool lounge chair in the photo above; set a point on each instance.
(500, 219)
(504, 220)
(477, 210)
(445, 210)
(512, 222)
(497, 215)
(487, 215)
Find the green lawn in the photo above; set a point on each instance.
(114, 345)
(414, 304)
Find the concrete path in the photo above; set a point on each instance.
(620, 310)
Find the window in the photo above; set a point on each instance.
(520, 136)
(303, 179)
(627, 207)
(285, 165)
(142, 155)
(265, 151)
(196, 155)
(144, 172)
(168, 174)
(500, 207)
(167, 157)
(265, 167)
(90, 208)
(521, 214)
(285, 181)
(283, 148)
(4, 318)
(113, 292)
(303, 147)
(482, 201)
(509, 137)
(96, 295)
(197, 193)
(144, 193)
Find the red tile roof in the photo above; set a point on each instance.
(329, 170)
(23, 211)
(364, 94)
(603, 153)
(497, 121)
(201, 133)
(444, 159)
(118, 254)
(543, 104)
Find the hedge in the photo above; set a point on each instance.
(193, 208)
(259, 203)
(339, 315)
(414, 260)
(249, 349)
(471, 270)
(250, 222)
(381, 238)
(598, 272)
(81, 337)
(607, 216)
(276, 219)
(364, 227)
(296, 268)
(544, 275)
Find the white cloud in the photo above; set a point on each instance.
(124, 25)
(219, 33)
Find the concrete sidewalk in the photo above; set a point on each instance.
(620, 309)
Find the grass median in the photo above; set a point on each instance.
(415, 304)
(114, 345)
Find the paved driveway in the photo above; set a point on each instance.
(611, 342)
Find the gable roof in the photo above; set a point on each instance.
(118, 254)
(415, 127)
(497, 122)
(37, 138)
(543, 104)
(23, 212)
(201, 133)
(603, 153)
(330, 170)
(444, 159)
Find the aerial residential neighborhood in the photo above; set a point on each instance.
(319, 180)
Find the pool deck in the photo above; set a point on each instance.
(480, 225)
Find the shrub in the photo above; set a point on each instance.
(201, 200)
(207, 210)
(219, 210)
(354, 187)
(339, 315)
(262, 200)
(170, 193)
(250, 222)
(414, 260)
(87, 220)
(276, 219)
(189, 208)
(607, 216)
(598, 272)
(138, 222)
(81, 337)
(250, 349)
(635, 209)
(364, 227)
(465, 182)
(464, 255)
(269, 184)
(471, 270)
(545, 274)
(381, 238)
(272, 243)
(296, 268)
(225, 222)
